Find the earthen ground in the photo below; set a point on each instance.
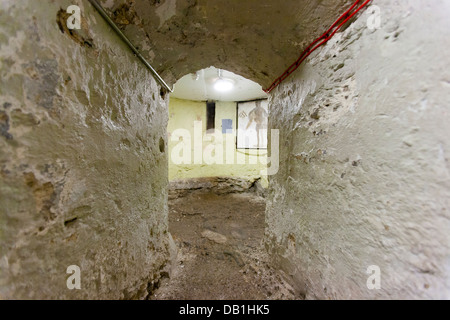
(208, 267)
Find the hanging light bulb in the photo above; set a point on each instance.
(222, 84)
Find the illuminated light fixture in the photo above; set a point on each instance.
(222, 84)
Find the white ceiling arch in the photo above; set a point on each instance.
(200, 86)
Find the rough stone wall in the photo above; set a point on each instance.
(364, 160)
(83, 161)
(217, 185)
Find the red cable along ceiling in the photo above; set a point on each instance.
(354, 9)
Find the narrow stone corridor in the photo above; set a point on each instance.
(221, 254)
(224, 149)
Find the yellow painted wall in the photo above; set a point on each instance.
(182, 115)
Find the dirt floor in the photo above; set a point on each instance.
(221, 255)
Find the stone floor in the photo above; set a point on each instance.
(221, 255)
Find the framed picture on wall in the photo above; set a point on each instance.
(252, 124)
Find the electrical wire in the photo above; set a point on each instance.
(344, 18)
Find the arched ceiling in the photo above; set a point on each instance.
(257, 39)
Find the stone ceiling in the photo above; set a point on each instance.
(257, 39)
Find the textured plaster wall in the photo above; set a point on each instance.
(364, 160)
(83, 159)
(182, 115)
